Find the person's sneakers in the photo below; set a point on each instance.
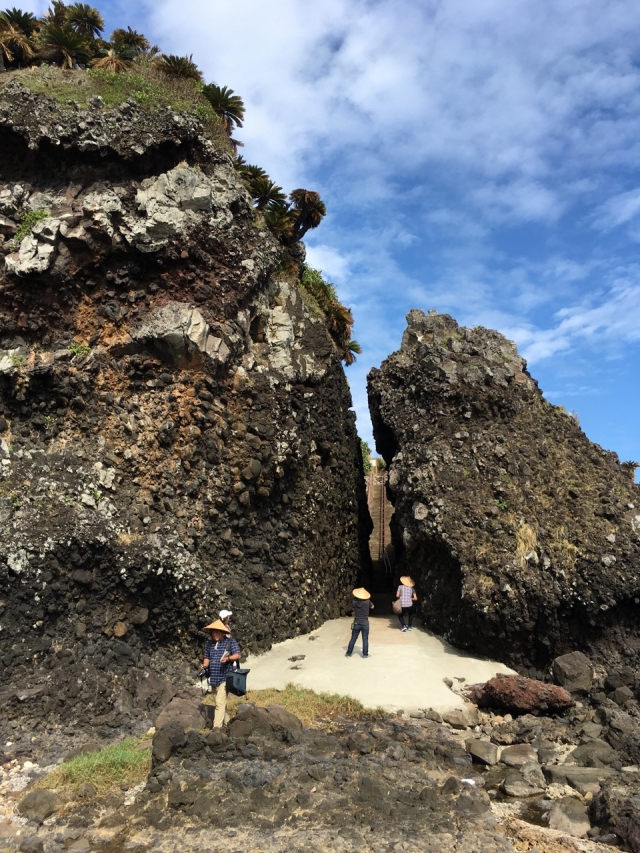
(410, 628)
(347, 655)
(366, 656)
(404, 628)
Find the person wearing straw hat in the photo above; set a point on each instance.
(407, 595)
(221, 652)
(361, 607)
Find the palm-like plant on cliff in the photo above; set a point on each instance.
(352, 349)
(278, 219)
(85, 20)
(130, 38)
(26, 22)
(56, 13)
(15, 45)
(178, 66)
(118, 58)
(63, 45)
(266, 194)
(338, 317)
(228, 106)
(308, 211)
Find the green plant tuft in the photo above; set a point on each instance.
(124, 763)
(79, 349)
(30, 218)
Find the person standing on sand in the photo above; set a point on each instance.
(361, 607)
(407, 595)
(220, 654)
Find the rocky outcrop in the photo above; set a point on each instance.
(522, 535)
(175, 425)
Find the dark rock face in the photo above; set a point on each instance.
(574, 672)
(175, 433)
(522, 535)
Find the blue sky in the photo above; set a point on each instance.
(481, 158)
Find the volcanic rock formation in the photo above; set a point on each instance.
(522, 535)
(175, 424)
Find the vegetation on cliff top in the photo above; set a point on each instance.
(64, 56)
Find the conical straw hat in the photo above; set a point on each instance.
(362, 593)
(405, 580)
(218, 625)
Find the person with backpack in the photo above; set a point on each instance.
(220, 654)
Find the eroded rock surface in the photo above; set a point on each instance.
(175, 425)
(522, 534)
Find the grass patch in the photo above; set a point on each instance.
(148, 87)
(124, 763)
(311, 708)
(31, 218)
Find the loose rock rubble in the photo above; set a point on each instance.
(487, 781)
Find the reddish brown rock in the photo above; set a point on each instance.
(521, 695)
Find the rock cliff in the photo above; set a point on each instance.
(522, 535)
(175, 424)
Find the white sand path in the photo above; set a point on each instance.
(405, 670)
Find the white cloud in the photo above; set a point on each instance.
(330, 261)
(509, 92)
(618, 210)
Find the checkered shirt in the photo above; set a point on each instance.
(215, 651)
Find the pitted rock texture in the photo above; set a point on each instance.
(175, 425)
(521, 534)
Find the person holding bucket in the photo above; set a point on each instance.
(407, 595)
(220, 654)
(361, 607)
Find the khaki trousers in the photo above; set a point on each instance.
(220, 717)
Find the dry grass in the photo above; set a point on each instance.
(124, 763)
(483, 550)
(128, 538)
(564, 552)
(311, 708)
(526, 540)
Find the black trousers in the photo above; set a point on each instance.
(407, 611)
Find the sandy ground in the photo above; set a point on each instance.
(405, 670)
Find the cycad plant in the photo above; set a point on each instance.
(228, 105)
(15, 45)
(278, 219)
(26, 22)
(56, 13)
(178, 66)
(308, 211)
(117, 58)
(352, 349)
(63, 45)
(337, 316)
(85, 20)
(266, 194)
(130, 38)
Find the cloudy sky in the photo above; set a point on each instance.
(480, 157)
